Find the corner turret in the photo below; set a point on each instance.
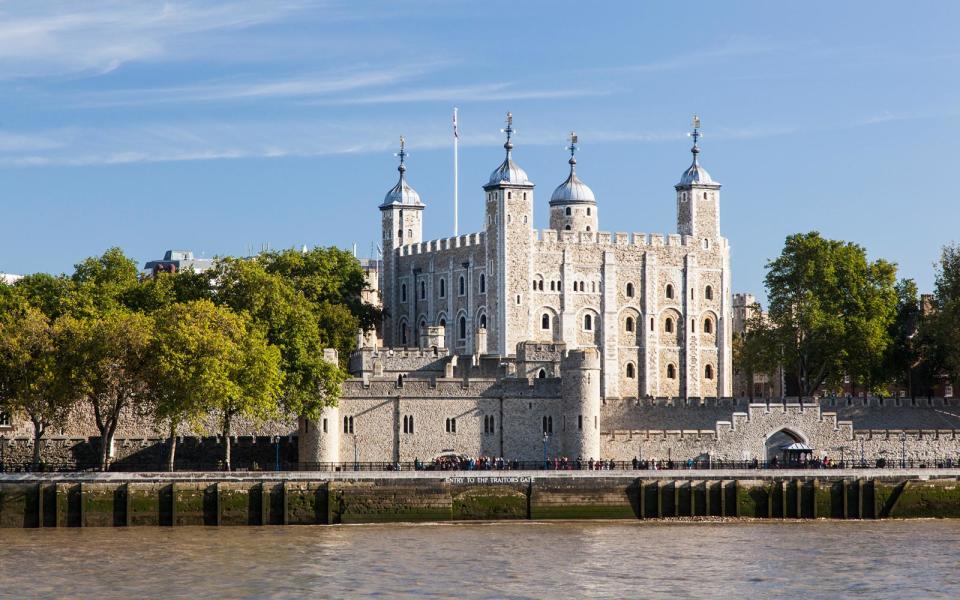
(698, 198)
(580, 389)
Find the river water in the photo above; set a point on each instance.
(905, 559)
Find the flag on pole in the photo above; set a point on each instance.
(456, 130)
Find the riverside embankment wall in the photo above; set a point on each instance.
(104, 500)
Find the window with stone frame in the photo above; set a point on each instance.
(483, 283)
(443, 288)
(671, 372)
(5, 420)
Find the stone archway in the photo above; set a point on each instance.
(779, 439)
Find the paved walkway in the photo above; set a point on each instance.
(714, 474)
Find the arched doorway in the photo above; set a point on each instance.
(782, 439)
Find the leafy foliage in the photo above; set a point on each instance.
(830, 311)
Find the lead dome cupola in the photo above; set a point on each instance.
(573, 190)
(402, 193)
(508, 171)
(696, 174)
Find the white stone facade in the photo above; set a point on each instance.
(657, 307)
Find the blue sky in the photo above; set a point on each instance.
(218, 127)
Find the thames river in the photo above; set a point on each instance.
(916, 559)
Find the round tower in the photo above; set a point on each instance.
(319, 441)
(573, 206)
(580, 390)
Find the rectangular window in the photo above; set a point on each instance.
(348, 424)
(4, 419)
(451, 425)
(324, 425)
(580, 423)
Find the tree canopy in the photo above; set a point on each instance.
(830, 311)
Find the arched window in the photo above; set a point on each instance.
(704, 195)
(403, 292)
(629, 290)
(400, 233)
(707, 326)
(669, 291)
(708, 293)
(423, 290)
(463, 286)
(588, 228)
(400, 380)
(567, 228)
(542, 374)
(708, 371)
(534, 286)
(668, 325)
(593, 284)
(631, 371)
(409, 233)
(629, 324)
(671, 372)
(588, 214)
(540, 285)
(462, 330)
(588, 322)
(553, 285)
(545, 321)
(568, 211)
(443, 288)
(548, 424)
(483, 283)
(443, 322)
(483, 321)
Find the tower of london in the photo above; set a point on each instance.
(656, 307)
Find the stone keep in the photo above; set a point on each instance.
(656, 307)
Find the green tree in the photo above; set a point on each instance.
(944, 323)
(52, 294)
(905, 351)
(254, 380)
(326, 276)
(756, 349)
(106, 358)
(292, 324)
(30, 381)
(830, 311)
(155, 292)
(102, 281)
(192, 364)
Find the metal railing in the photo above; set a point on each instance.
(467, 464)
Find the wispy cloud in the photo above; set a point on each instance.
(296, 86)
(227, 140)
(56, 38)
(735, 47)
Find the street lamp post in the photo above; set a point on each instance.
(356, 455)
(276, 443)
(903, 450)
(545, 438)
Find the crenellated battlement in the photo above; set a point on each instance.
(443, 244)
(618, 239)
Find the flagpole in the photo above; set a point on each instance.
(456, 173)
